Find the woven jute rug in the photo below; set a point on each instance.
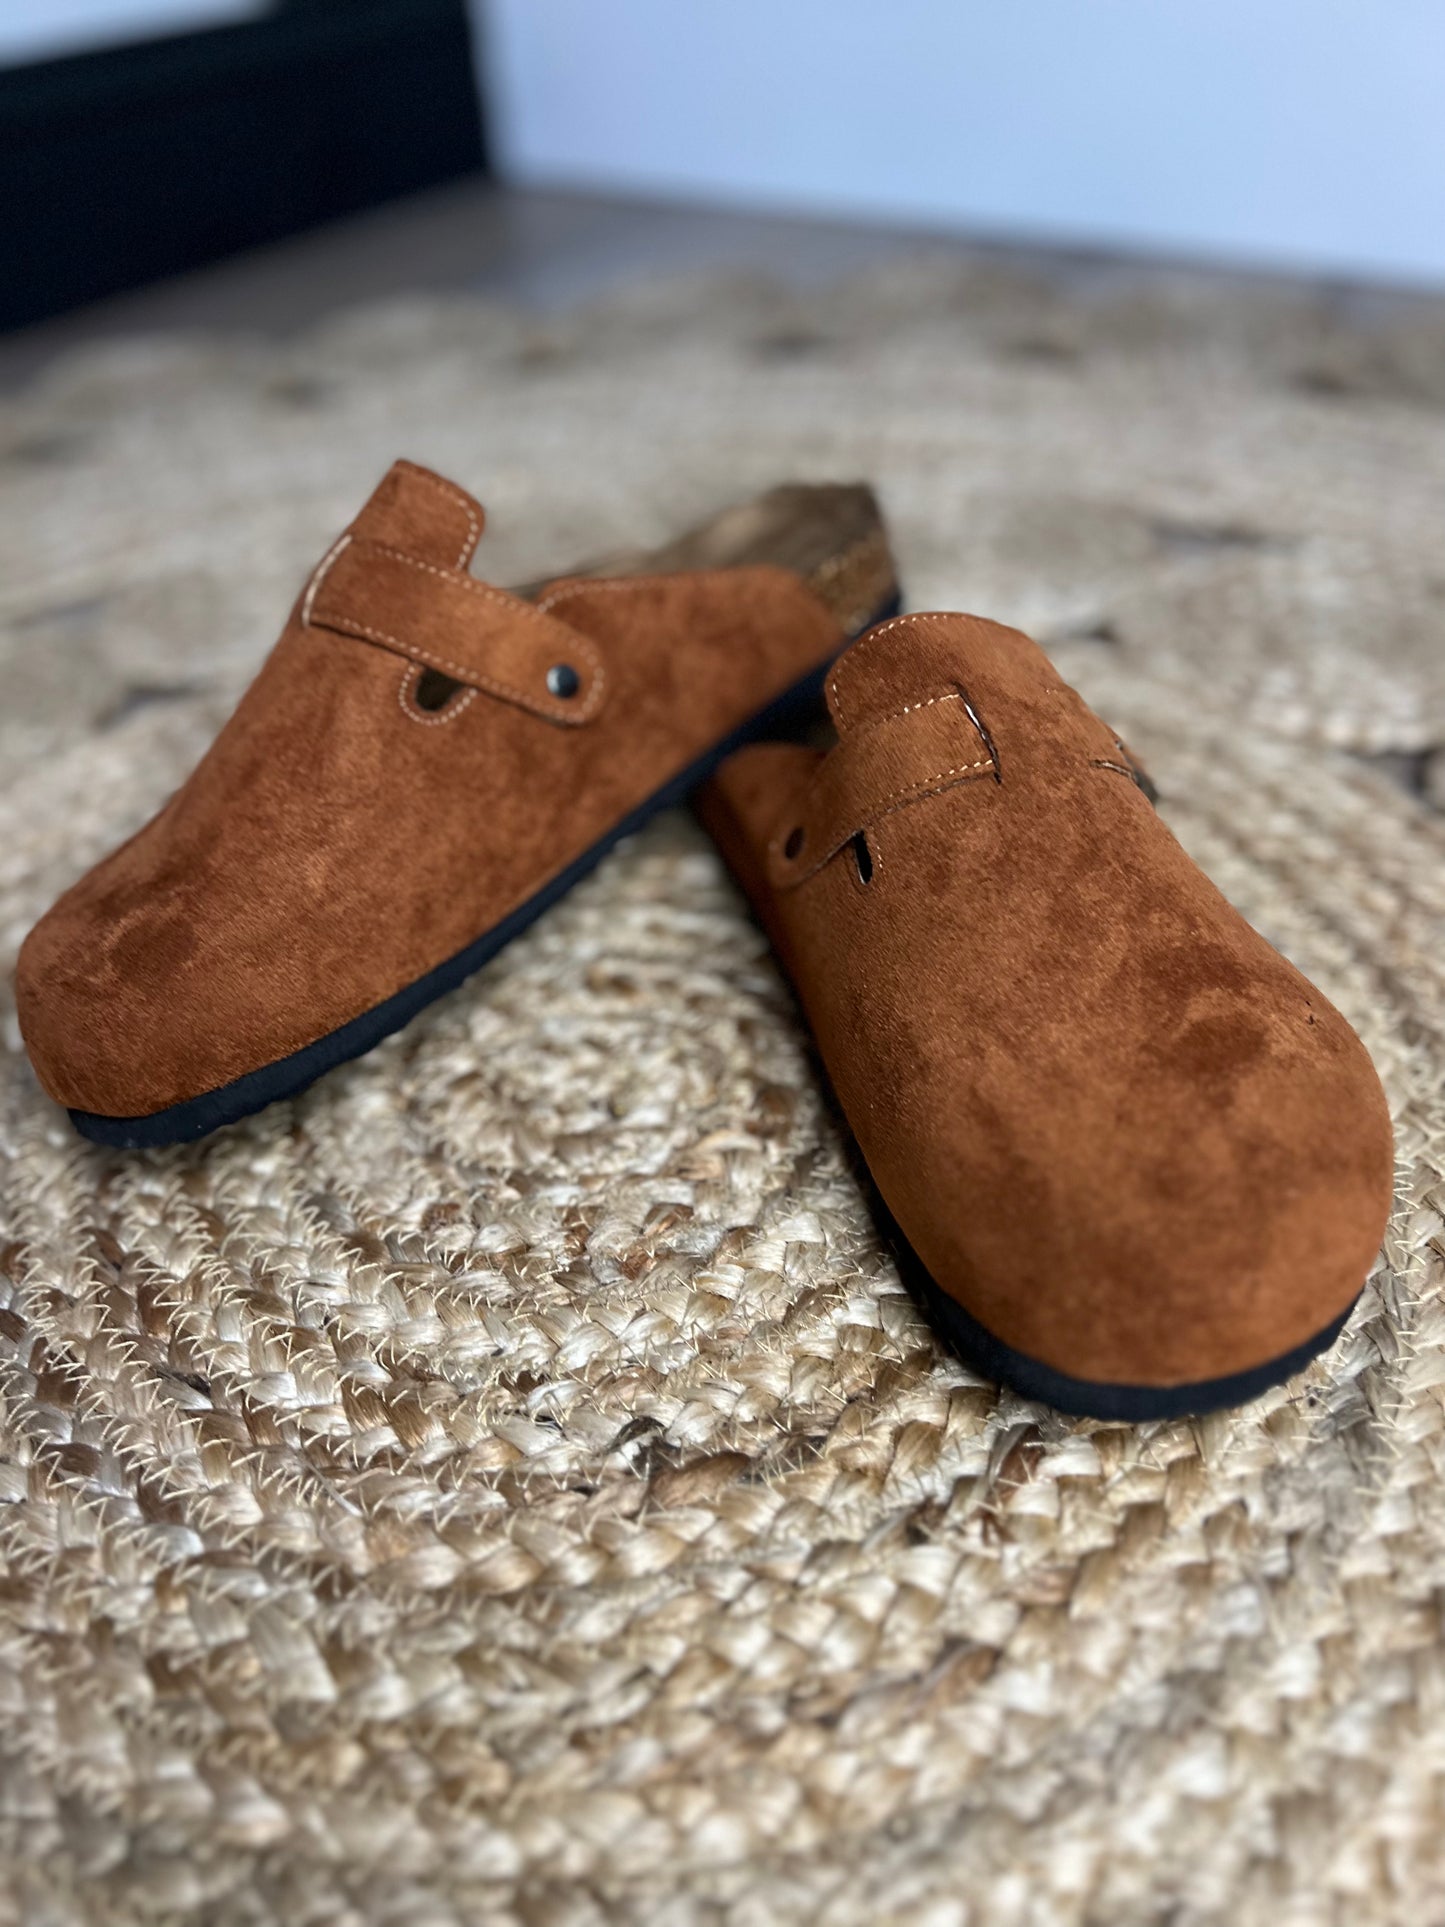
(510, 1484)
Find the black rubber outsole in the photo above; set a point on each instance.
(287, 1077)
(1088, 1397)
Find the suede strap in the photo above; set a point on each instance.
(882, 766)
(440, 617)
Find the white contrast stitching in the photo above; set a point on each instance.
(598, 585)
(871, 635)
(513, 605)
(472, 677)
(413, 711)
(319, 575)
(447, 488)
(908, 708)
(894, 800)
(910, 789)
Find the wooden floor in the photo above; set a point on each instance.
(540, 249)
(543, 250)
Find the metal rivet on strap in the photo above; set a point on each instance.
(563, 680)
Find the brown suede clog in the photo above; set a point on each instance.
(1144, 1163)
(423, 764)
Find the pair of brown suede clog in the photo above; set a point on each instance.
(1138, 1165)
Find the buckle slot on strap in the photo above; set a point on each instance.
(479, 635)
(876, 769)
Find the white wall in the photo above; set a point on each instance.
(1307, 133)
(39, 29)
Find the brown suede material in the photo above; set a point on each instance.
(473, 633)
(423, 515)
(1113, 1122)
(338, 841)
(879, 767)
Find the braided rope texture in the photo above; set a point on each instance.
(510, 1483)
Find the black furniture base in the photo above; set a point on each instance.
(120, 166)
